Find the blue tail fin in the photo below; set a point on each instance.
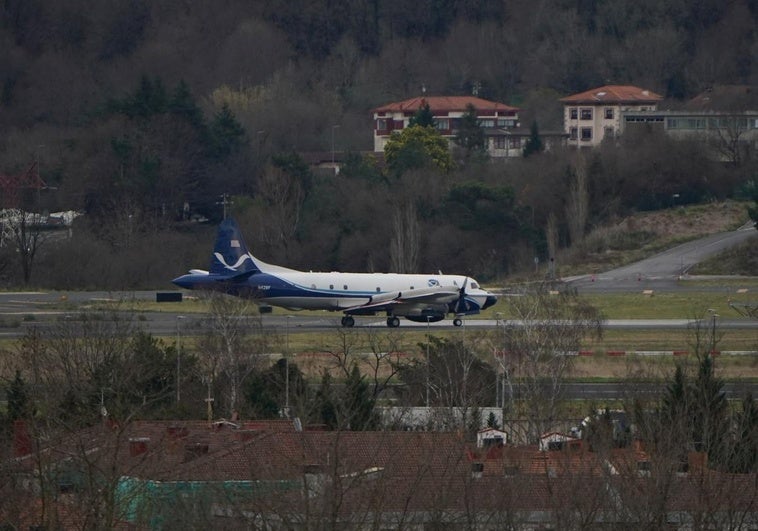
(230, 254)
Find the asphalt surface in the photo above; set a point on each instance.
(662, 272)
(666, 271)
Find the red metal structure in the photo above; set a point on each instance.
(12, 185)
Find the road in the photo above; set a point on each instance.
(664, 271)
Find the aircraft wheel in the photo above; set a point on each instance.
(457, 322)
(348, 321)
(393, 322)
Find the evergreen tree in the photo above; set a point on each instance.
(183, 104)
(359, 405)
(470, 135)
(325, 405)
(534, 142)
(423, 117)
(18, 399)
(709, 411)
(227, 134)
(744, 455)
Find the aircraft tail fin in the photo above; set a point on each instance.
(230, 255)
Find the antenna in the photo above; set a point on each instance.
(225, 201)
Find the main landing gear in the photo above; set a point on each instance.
(457, 322)
(393, 322)
(348, 321)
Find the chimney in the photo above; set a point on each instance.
(315, 480)
(697, 461)
(138, 445)
(194, 450)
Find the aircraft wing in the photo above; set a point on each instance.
(391, 299)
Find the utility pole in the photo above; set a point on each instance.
(178, 357)
(225, 202)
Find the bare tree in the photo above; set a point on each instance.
(233, 343)
(404, 247)
(539, 344)
(23, 232)
(577, 206)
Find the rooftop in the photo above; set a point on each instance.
(614, 94)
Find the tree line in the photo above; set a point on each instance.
(125, 128)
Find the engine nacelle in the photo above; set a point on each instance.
(430, 318)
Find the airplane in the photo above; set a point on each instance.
(418, 298)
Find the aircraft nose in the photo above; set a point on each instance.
(491, 300)
(182, 282)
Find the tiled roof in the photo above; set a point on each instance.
(614, 94)
(445, 104)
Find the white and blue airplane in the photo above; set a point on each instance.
(419, 298)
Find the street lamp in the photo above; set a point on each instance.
(714, 316)
(427, 365)
(333, 128)
(178, 357)
(287, 368)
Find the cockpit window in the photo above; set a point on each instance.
(474, 285)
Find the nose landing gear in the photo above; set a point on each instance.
(348, 321)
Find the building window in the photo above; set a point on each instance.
(572, 133)
(586, 134)
(573, 113)
(442, 124)
(381, 124)
(500, 142)
(586, 114)
(609, 113)
(609, 132)
(503, 122)
(515, 143)
(487, 122)
(672, 123)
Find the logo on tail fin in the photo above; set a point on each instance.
(238, 263)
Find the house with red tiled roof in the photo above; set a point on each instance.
(273, 475)
(499, 121)
(594, 115)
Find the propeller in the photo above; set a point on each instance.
(461, 303)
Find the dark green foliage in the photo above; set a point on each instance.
(745, 447)
(19, 406)
(183, 104)
(326, 403)
(751, 191)
(293, 164)
(534, 142)
(266, 391)
(457, 378)
(359, 405)
(226, 133)
(697, 411)
(348, 407)
(470, 135)
(477, 207)
(423, 117)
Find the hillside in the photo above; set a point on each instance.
(646, 233)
